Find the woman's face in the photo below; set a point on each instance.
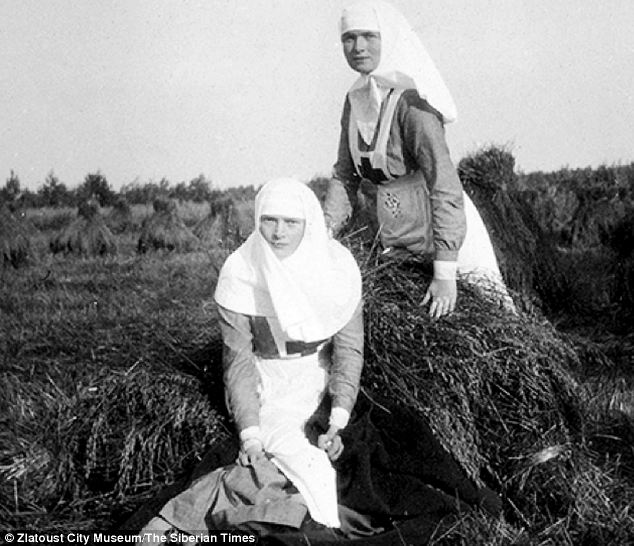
(362, 49)
(282, 233)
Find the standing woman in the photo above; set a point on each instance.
(393, 148)
(289, 302)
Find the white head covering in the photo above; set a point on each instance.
(404, 64)
(313, 292)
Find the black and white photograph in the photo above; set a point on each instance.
(317, 272)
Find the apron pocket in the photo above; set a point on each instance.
(404, 215)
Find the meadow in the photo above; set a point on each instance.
(112, 386)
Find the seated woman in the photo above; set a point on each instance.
(289, 301)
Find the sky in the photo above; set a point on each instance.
(243, 91)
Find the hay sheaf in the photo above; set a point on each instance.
(120, 434)
(165, 230)
(528, 258)
(87, 235)
(143, 427)
(228, 224)
(497, 388)
(15, 241)
(120, 218)
(482, 370)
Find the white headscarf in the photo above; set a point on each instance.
(313, 292)
(404, 64)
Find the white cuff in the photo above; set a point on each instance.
(251, 433)
(339, 417)
(246, 444)
(444, 270)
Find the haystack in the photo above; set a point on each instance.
(527, 257)
(228, 224)
(144, 426)
(498, 389)
(166, 230)
(117, 434)
(15, 242)
(120, 217)
(88, 235)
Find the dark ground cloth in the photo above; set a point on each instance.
(394, 479)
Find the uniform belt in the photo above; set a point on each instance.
(300, 348)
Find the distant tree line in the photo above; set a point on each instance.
(54, 193)
(580, 207)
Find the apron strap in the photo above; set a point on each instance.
(376, 158)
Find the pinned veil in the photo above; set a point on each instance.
(314, 292)
(404, 64)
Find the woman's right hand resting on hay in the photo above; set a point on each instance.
(443, 295)
(251, 452)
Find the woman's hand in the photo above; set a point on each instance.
(251, 452)
(331, 443)
(443, 295)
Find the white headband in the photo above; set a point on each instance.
(278, 202)
(359, 17)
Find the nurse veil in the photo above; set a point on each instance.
(313, 292)
(404, 64)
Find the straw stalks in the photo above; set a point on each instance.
(228, 224)
(120, 217)
(15, 242)
(87, 236)
(500, 391)
(528, 258)
(165, 230)
(115, 436)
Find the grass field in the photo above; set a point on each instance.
(73, 330)
(109, 392)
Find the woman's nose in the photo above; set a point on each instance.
(279, 229)
(360, 43)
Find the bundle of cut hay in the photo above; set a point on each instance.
(528, 259)
(15, 242)
(114, 436)
(142, 427)
(228, 224)
(497, 388)
(599, 212)
(120, 217)
(166, 230)
(87, 236)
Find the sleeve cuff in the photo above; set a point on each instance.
(250, 443)
(445, 271)
(445, 255)
(250, 433)
(339, 417)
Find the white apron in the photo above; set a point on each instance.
(291, 391)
